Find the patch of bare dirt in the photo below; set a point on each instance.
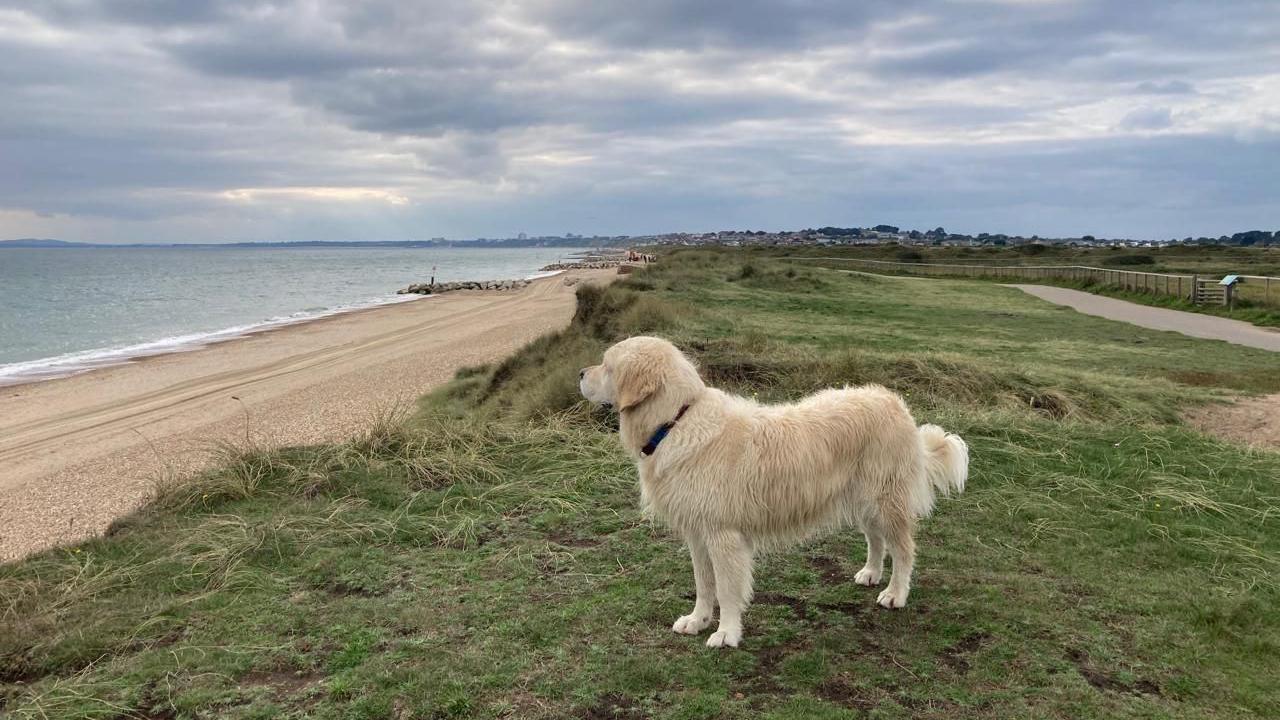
(1108, 682)
(283, 683)
(841, 690)
(613, 706)
(1250, 421)
(829, 569)
(568, 538)
(956, 657)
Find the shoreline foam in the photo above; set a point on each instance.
(82, 361)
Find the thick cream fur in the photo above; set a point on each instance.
(735, 477)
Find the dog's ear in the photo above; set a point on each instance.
(636, 380)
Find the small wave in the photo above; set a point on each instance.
(86, 360)
(543, 274)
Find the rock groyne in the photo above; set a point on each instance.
(438, 288)
(582, 265)
(629, 260)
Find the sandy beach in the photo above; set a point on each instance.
(77, 452)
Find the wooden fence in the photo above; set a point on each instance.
(1200, 289)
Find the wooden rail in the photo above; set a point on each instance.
(1258, 289)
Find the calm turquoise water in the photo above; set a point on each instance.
(65, 310)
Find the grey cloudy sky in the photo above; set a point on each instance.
(172, 120)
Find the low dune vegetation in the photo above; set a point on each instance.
(482, 554)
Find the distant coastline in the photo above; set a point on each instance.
(827, 235)
(482, 243)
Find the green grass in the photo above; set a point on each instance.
(485, 557)
(1208, 260)
(1254, 301)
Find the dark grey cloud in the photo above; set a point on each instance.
(736, 24)
(230, 118)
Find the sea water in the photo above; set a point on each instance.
(66, 310)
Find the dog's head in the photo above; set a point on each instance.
(638, 369)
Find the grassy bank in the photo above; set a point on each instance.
(1253, 304)
(485, 558)
(1207, 260)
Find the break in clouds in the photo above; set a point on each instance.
(177, 121)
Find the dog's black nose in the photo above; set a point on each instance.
(582, 373)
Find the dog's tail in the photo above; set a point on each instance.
(946, 463)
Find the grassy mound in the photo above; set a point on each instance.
(485, 557)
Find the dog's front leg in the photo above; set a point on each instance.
(731, 557)
(704, 580)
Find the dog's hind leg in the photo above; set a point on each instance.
(704, 580)
(731, 556)
(873, 570)
(899, 530)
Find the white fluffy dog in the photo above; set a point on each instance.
(733, 477)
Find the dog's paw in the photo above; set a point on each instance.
(724, 638)
(892, 599)
(868, 577)
(691, 624)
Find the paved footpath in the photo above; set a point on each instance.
(1187, 323)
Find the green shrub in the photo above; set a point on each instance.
(1124, 260)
